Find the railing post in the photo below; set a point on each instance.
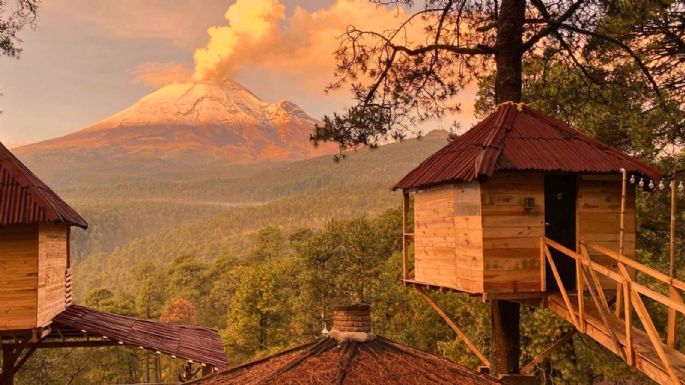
(630, 355)
(543, 266)
(580, 283)
(405, 235)
(672, 317)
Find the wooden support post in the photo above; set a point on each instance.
(672, 317)
(8, 360)
(405, 231)
(630, 354)
(671, 248)
(454, 327)
(580, 284)
(12, 361)
(505, 336)
(543, 265)
(621, 232)
(207, 370)
(621, 237)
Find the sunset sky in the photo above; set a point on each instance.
(88, 59)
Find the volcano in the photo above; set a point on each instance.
(221, 120)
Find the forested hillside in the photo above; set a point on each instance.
(217, 211)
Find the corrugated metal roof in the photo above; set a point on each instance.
(199, 344)
(326, 361)
(25, 199)
(516, 137)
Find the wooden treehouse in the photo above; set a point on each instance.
(525, 209)
(36, 309)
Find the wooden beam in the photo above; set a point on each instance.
(528, 368)
(24, 358)
(646, 320)
(603, 309)
(637, 266)
(664, 300)
(454, 327)
(562, 289)
(595, 279)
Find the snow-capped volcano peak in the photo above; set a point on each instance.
(223, 119)
(198, 104)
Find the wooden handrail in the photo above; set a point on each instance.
(585, 261)
(636, 265)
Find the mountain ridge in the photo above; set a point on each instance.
(221, 120)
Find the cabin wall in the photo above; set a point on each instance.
(18, 267)
(511, 234)
(52, 264)
(598, 215)
(448, 237)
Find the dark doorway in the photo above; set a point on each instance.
(560, 226)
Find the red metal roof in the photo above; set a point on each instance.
(199, 344)
(516, 137)
(25, 199)
(327, 361)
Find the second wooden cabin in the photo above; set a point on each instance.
(483, 203)
(35, 264)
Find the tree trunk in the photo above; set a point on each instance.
(509, 48)
(8, 360)
(505, 347)
(505, 316)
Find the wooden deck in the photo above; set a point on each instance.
(646, 359)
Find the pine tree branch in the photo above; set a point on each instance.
(552, 24)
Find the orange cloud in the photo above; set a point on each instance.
(259, 34)
(159, 74)
(250, 22)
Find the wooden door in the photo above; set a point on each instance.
(561, 192)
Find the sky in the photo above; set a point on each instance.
(87, 59)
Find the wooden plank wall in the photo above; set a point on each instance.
(52, 265)
(468, 230)
(18, 268)
(511, 234)
(448, 237)
(598, 215)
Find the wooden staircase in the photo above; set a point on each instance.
(613, 323)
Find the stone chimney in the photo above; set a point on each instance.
(352, 323)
